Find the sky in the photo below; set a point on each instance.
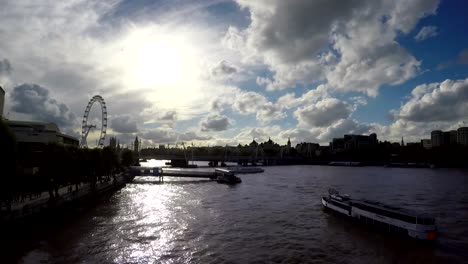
(220, 72)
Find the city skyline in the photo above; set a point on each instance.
(224, 72)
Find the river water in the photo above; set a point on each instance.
(273, 217)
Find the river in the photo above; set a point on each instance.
(273, 217)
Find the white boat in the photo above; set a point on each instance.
(226, 176)
(383, 216)
(245, 170)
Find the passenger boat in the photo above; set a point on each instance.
(245, 170)
(383, 216)
(226, 176)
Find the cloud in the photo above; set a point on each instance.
(352, 46)
(322, 114)
(446, 101)
(165, 136)
(324, 135)
(260, 134)
(248, 102)
(169, 116)
(215, 123)
(223, 68)
(36, 102)
(429, 106)
(426, 32)
(5, 67)
(124, 124)
(269, 112)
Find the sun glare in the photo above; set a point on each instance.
(166, 65)
(158, 63)
(152, 58)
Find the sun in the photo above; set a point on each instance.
(152, 59)
(158, 63)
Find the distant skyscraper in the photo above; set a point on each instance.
(402, 142)
(437, 138)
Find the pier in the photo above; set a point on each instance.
(171, 172)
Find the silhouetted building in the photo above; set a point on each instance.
(350, 142)
(450, 137)
(307, 149)
(39, 133)
(289, 143)
(462, 136)
(426, 143)
(113, 142)
(437, 138)
(337, 144)
(2, 101)
(136, 145)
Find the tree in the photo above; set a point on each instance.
(8, 164)
(128, 158)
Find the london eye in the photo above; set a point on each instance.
(87, 126)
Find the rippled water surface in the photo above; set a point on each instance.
(271, 217)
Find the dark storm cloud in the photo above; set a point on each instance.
(124, 124)
(34, 100)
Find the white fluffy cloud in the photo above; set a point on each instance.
(322, 114)
(436, 102)
(351, 45)
(426, 32)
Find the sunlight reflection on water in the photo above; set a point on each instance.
(271, 217)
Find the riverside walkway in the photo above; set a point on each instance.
(66, 195)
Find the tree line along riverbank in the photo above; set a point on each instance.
(55, 173)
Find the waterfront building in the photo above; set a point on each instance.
(437, 138)
(307, 149)
(462, 136)
(349, 142)
(426, 143)
(450, 137)
(29, 132)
